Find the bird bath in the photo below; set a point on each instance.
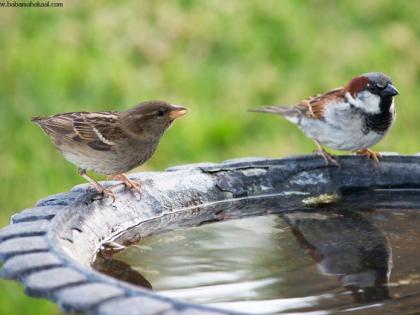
(272, 236)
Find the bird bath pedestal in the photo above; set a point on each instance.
(50, 248)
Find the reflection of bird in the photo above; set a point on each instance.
(353, 117)
(346, 245)
(120, 270)
(110, 143)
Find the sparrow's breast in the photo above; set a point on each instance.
(342, 128)
(122, 158)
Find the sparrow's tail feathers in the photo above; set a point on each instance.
(290, 113)
(279, 110)
(38, 119)
(53, 127)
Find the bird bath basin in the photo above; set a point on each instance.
(245, 236)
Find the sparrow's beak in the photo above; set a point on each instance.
(390, 90)
(177, 111)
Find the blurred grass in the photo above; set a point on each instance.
(216, 57)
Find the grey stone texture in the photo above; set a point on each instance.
(50, 247)
(20, 265)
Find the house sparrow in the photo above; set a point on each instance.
(110, 143)
(350, 118)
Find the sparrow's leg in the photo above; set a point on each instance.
(101, 189)
(327, 157)
(128, 182)
(370, 154)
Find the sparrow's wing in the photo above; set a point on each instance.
(312, 107)
(99, 130)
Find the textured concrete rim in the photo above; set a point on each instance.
(49, 248)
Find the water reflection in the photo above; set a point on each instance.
(324, 260)
(345, 244)
(120, 270)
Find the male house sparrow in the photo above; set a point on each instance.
(110, 143)
(350, 118)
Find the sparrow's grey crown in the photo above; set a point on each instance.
(378, 78)
(380, 84)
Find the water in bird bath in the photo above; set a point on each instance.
(254, 259)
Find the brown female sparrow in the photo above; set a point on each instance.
(110, 143)
(350, 118)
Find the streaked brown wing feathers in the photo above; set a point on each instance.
(61, 125)
(99, 130)
(106, 123)
(314, 106)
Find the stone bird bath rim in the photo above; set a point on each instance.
(49, 248)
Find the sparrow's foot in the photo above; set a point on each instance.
(328, 158)
(376, 156)
(99, 188)
(130, 184)
(107, 193)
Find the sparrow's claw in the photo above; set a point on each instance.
(99, 188)
(133, 185)
(107, 193)
(329, 158)
(376, 156)
(130, 184)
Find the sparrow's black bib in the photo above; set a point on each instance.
(382, 121)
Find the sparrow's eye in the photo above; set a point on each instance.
(371, 87)
(160, 112)
(380, 86)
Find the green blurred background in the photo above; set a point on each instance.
(216, 57)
